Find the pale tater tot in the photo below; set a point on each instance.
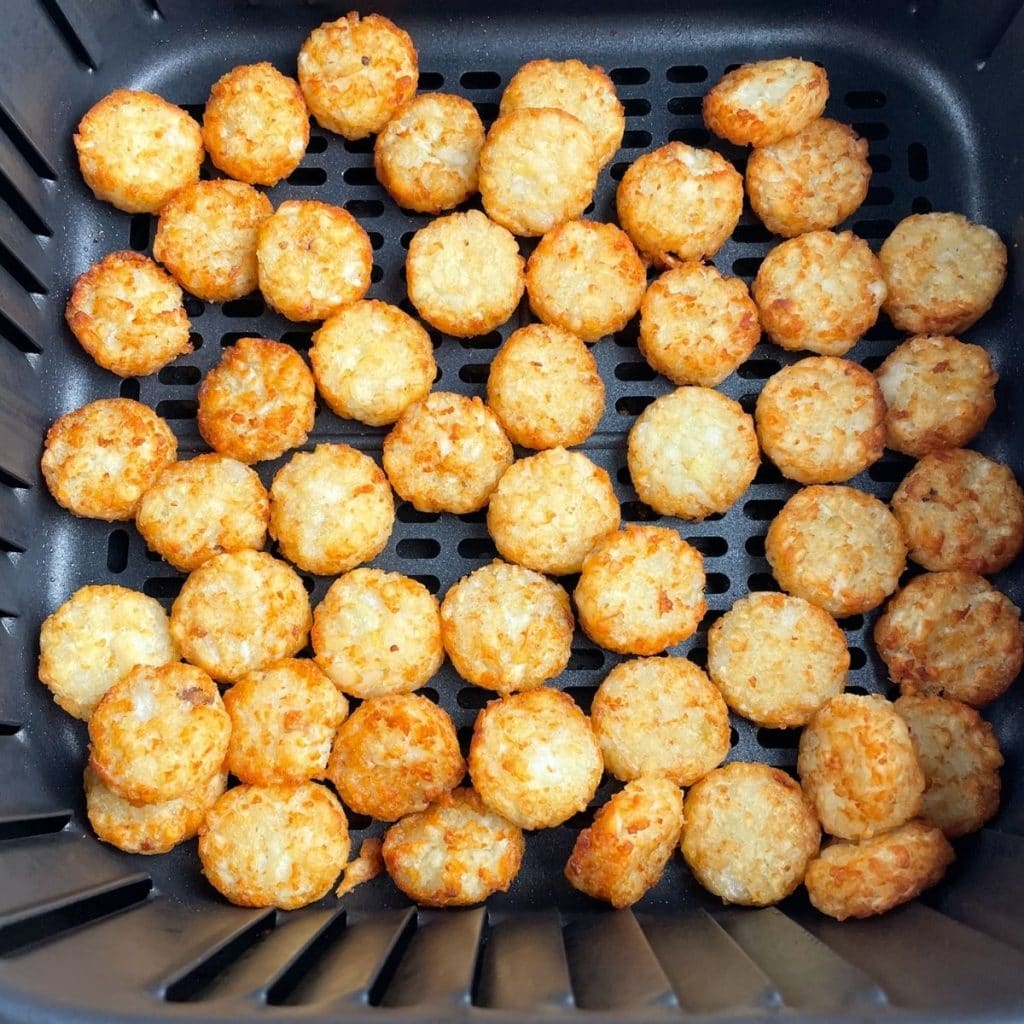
(238, 612)
(874, 876)
(961, 510)
(696, 326)
(428, 155)
(760, 103)
(507, 628)
(692, 452)
(625, 850)
(257, 402)
(663, 717)
(951, 634)
(587, 278)
(206, 237)
(129, 315)
(641, 590)
(99, 460)
(550, 509)
(395, 756)
(255, 125)
(274, 846)
(159, 733)
(331, 509)
(455, 853)
(538, 169)
(750, 833)
(135, 150)
(94, 638)
(859, 768)
(679, 203)
(202, 507)
(446, 453)
(356, 73)
(534, 759)
(377, 633)
(545, 388)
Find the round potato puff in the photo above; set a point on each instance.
(859, 768)
(533, 758)
(129, 315)
(94, 638)
(951, 634)
(395, 756)
(625, 850)
(98, 460)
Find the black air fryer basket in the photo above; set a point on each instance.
(88, 933)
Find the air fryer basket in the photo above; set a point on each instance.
(87, 933)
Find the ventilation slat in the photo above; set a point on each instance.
(20, 318)
(14, 529)
(524, 966)
(23, 188)
(37, 147)
(76, 29)
(708, 970)
(21, 252)
(613, 966)
(36, 823)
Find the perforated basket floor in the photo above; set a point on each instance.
(86, 932)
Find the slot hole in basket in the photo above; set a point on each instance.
(365, 208)
(138, 231)
(583, 696)
(717, 583)
(358, 145)
(431, 694)
(360, 176)
(858, 659)
(778, 739)
(473, 698)
(879, 195)
(699, 656)
(307, 176)
(250, 305)
(430, 80)
(410, 514)
(917, 161)
(636, 107)
(880, 162)
(301, 340)
(488, 112)
(691, 136)
(758, 369)
(492, 340)
(755, 546)
(163, 586)
(634, 371)
(756, 233)
(117, 551)
(632, 405)
(194, 307)
(747, 266)
(686, 105)
(177, 408)
(432, 583)
(638, 512)
(921, 204)
(874, 131)
(130, 388)
(874, 230)
(317, 144)
(480, 80)
(768, 473)
(851, 623)
(477, 547)
(474, 373)
(762, 582)
(687, 73)
(585, 659)
(629, 76)
(418, 548)
(618, 170)
(636, 140)
(712, 547)
(182, 375)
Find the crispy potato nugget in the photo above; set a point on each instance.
(696, 326)
(506, 627)
(821, 420)
(464, 274)
(872, 877)
(159, 733)
(587, 278)
(394, 756)
(625, 850)
(679, 203)
(545, 388)
(356, 73)
(939, 393)
(960, 757)
(641, 590)
(447, 453)
(148, 828)
(255, 125)
(943, 272)
(534, 759)
(660, 716)
(427, 156)
(538, 169)
(371, 361)
(206, 237)
(859, 768)
(550, 509)
(585, 92)
(376, 633)
(838, 548)
(331, 509)
(455, 853)
(314, 259)
(819, 292)
(128, 314)
(257, 402)
(810, 181)
(960, 510)
(136, 150)
(951, 634)
(98, 460)
(763, 102)
(202, 507)
(750, 833)
(777, 659)
(238, 612)
(692, 452)
(274, 846)
(283, 721)
(94, 638)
